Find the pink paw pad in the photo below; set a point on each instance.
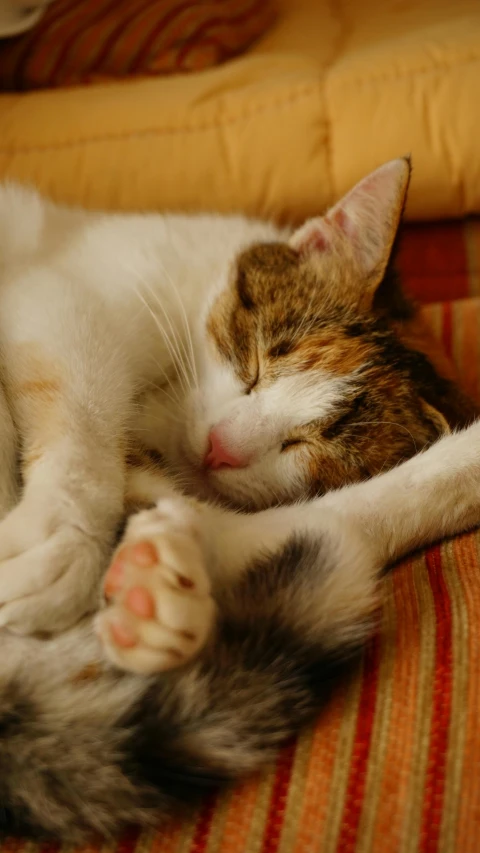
(158, 610)
(114, 579)
(140, 602)
(144, 554)
(122, 635)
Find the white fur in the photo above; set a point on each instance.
(105, 305)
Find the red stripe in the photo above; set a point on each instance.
(433, 263)
(49, 847)
(128, 841)
(85, 23)
(186, 65)
(218, 21)
(53, 15)
(353, 802)
(441, 706)
(276, 810)
(447, 327)
(204, 822)
(116, 33)
(137, 61)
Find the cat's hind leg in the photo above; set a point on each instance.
(316, 566)
(179, 562)
(159, 610)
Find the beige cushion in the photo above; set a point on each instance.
(282, 131)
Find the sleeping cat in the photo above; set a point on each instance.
(258, 368)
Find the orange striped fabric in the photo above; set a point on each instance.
(393, 763)
(440, 261)
(95, 40)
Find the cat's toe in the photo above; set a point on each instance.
(139, 555)
(159, 610)
(140, 602)
(50, 569)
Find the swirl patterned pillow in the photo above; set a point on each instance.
(87, 41)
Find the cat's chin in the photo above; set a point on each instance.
(230, 495)
(205, 486)
(220, 487)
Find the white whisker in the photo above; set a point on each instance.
(174, 400)
(168, 343)
(185, 322)
(390, 423)
(175, 337)
(171, 340)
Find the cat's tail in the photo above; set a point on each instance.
(290, 627)
(122, 750)
(66, 756)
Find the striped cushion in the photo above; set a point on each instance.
(393, 763)
(85, 41)
(441, 261)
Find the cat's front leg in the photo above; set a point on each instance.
(53, 549)
(433, 495)
(69, 386)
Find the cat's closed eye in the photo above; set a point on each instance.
(291, 442)
(253, 380)
(280, 349)
(249, 388)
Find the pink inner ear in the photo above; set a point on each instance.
(343, 221)
(340, 218)
(316, 242)
(366, 217)
(317, 237)
(314, 239)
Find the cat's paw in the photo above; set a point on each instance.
(159, 611)
(49, 570)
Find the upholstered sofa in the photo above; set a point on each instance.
(333, 90)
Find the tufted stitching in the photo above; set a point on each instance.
(336, 13)
(307, 91)
(388, 76)
(295, 95)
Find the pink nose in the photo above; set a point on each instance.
(219, 456)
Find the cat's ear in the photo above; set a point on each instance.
(436, 418)
(367, 218)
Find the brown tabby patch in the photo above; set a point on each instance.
(285, 314)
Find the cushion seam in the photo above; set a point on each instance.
(392, 75)
(318, 88)
(336, 13)
(305, 92)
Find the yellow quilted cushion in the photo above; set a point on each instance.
(328, 94)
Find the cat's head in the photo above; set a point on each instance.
(304, 386)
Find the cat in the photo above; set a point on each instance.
(237, 593)
(293, 357)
